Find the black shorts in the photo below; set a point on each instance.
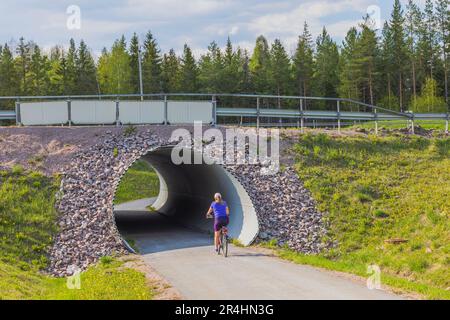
(220, 222)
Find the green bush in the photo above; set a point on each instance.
(130, 130)
(429, 101)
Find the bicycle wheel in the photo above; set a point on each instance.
(224, 245)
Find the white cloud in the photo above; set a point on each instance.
(314, 12)
(221, 29)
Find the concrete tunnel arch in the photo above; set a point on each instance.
(186, 191)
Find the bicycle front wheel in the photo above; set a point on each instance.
(225, 245)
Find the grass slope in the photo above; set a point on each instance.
(27, 226)
(375, 189)
(139, 182)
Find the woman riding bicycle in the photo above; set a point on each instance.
(221, 217)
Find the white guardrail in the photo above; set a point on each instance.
(85, 112)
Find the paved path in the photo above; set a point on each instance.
(137, 205)
(187, 260)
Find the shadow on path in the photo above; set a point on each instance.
(156, 233)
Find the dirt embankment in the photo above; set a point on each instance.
(46, 149)
(49, 149)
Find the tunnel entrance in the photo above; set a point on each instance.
(185, 194)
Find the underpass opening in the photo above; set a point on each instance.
(185, 194)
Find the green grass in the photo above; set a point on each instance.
(402, 124)
(27, 226)
(397, 283)
(236, 242)
(27, 217)
(108, 280)
(375, 189)
(139, 182)
(104, 281)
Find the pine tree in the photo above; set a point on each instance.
(399, 47)
(22, 62)
(134, 63)
(8, 78)
(246, 85)
(259, 66)
(55, 78)
(170, 72)
(280, 66)
(413, 27)
(71, 68)
(210, 69)
(151, 65)
(429, 40)
(348, 68)
(303, 63)
(443, 27)
(86, 73)
(367, 61)
(188, 72)
(233, 69)
(62, 74)
(326, 73)
(39, 67)
(389, 100)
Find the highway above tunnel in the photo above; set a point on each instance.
(186, 259)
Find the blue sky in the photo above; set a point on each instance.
(174, 22)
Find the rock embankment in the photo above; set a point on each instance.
(286, 211)
(86, 225)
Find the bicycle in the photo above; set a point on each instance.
(223, 241)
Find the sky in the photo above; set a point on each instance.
(175, 22)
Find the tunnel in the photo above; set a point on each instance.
(186, 192)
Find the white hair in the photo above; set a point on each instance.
(218, 195)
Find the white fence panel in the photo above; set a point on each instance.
(140, 112)
(189, 111)
(93, 112)
(44, 113)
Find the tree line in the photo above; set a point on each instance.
(404, 66)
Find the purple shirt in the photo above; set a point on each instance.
(220, 209)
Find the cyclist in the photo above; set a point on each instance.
(221, 217)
